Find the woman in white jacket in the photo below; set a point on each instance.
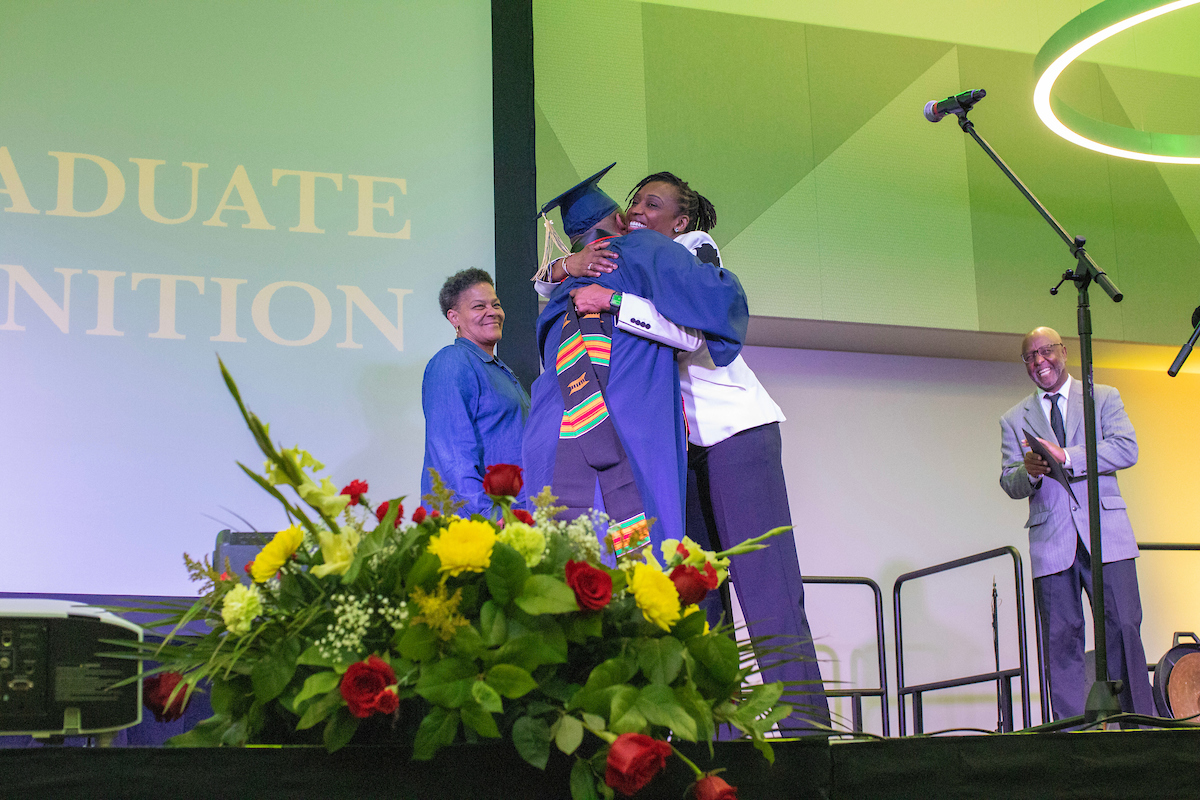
(736, 487)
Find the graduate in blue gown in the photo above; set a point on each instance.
(642, 393)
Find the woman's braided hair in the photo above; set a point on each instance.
(700, 212)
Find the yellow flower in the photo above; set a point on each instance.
(301, 458)
(276, 553)
(655, 595)
(338, 551)
(439, 611)
(696, 556)
(529, 542)
(465, 546)
(242, 604)
(327, 497)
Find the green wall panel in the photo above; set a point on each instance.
(704, 72)
(837, 201)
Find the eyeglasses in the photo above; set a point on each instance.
(1044, 352)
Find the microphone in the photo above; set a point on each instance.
(935, 110)
(1196, 317)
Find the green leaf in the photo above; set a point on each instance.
(506, 574)
(532, 739)
(611, 672)
(689, 626)
(760, 701)
(319, 710)
(237, 733)
(624, 713)
(467, 642)
(369, 546)
(340, 730)
(581, 627)
(763, 747)
(658, 705)
(569, 735)
(312, 658)
(272, 673)
(777, 714)
(510, 680)
(544, 594)
(660, 659)
(424, 571)
(487, 697)
(419, 643)
(480, 721)
(435, 732)
(529, 651)
(222, 695)
(447, 683)
(718, 654)
(493, 625)
(319, 683)
(594, 721)
(697, 707)
(583, 781)
(207, 733)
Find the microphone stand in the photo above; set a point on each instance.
(1186, 350)
(1102, 700)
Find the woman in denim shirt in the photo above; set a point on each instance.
(475, 408)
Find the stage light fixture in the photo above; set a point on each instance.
(1073, 40)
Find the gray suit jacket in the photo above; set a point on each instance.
(1055, 521)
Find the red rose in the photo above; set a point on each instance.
(435, 513)
(365, 686)
(523, 516)
(156, 694)
(419, 515)
(713, 787)
(356, 489)
(386, 702)
(382, 510)
(633, 759)
(693, 584)
(592, 587)
(502, 479)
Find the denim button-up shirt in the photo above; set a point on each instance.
(475, 411)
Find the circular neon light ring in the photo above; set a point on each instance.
(1073, 40)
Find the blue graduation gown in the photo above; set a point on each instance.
(643, 382)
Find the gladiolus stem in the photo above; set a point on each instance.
(750, 545)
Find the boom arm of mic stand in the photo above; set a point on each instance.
(1089, 270)
(1184, 352)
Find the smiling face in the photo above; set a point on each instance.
(1048, 372)
(656, 206)
(478, 317)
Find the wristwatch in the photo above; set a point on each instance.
(614, 302)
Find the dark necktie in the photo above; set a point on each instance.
(1056, 420)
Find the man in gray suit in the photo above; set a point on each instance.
(1059, 538)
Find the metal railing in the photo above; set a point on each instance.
(857, 694)
(1002, 677)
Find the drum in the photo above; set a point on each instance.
(1177, 679)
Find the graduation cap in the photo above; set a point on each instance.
(584, 204)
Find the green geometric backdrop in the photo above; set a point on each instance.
(836, 200)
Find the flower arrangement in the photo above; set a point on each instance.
(449, 628)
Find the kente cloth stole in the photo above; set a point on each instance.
(588, 445)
